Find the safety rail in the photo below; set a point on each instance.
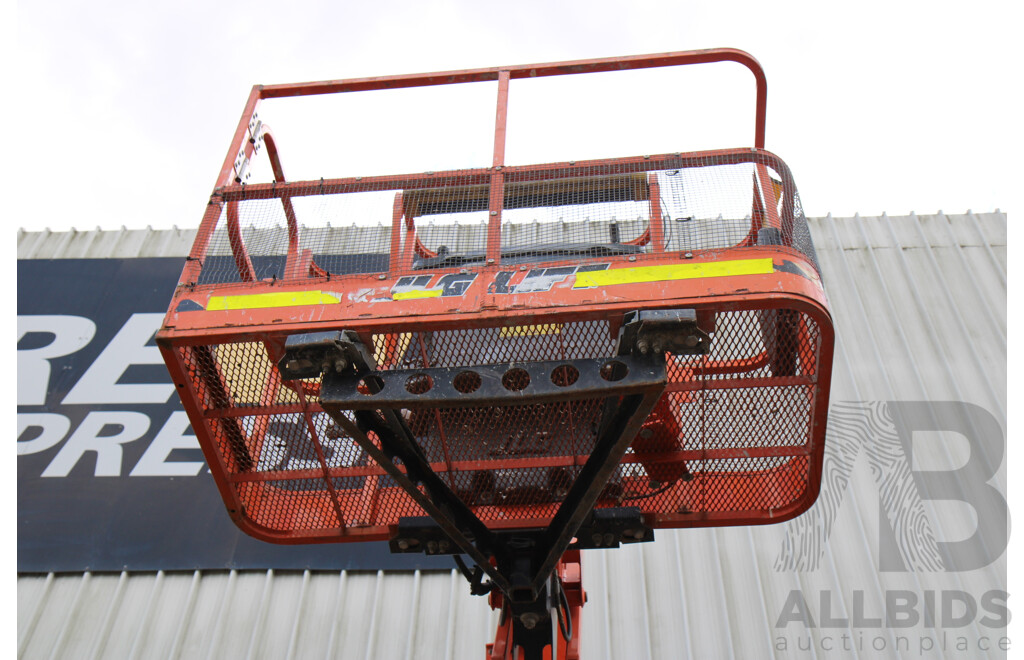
(469, 187)
(251, 132)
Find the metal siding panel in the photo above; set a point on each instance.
(623, 600)
(918, 369)
(353, 618)
(664, 589)
(33, 593)
(316, 616)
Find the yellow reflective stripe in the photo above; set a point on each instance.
(641, 274)
(510, 332)
(416, 293)
(279, 299)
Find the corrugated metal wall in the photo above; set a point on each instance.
(920, 309)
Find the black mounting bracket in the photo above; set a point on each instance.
(655, 331)
(313, 353)
(364, 400)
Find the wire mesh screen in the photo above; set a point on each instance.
(535, 214)
(730, 437)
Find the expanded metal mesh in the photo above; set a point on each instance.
(544, 213)
(729, 436)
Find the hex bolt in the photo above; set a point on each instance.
(691, 340)
(658, 348)
(596, 538)
(340, 364)
(688, 255)
(646, 433)
(431, 547)
(639, 534)
(381, 277)
(643, 346)
(609, 538)
(632, 258)
(443, 546)
(403, 544)
(529, 620)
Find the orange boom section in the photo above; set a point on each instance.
(508, 347)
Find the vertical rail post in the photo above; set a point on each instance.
(497, 191)
(396, 264)
(656, 224)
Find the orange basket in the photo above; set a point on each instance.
(578, 352)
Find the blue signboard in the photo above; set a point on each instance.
(110, 475)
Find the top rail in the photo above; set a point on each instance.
(705, 56)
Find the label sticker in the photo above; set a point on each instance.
(412, 287)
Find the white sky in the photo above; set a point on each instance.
(125, 109)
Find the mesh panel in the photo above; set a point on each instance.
(294, 468)
(740, 486)
(452, 348)
(547, 213)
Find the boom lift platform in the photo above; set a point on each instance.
(467, 383)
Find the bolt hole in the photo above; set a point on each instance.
(614, 370)
(515, 380)
(565, 375)
(419, 384)
(466, 382)
(370, 384)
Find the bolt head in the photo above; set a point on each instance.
(691, 341)
(529, 620)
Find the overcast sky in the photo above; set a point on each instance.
(125, 109)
